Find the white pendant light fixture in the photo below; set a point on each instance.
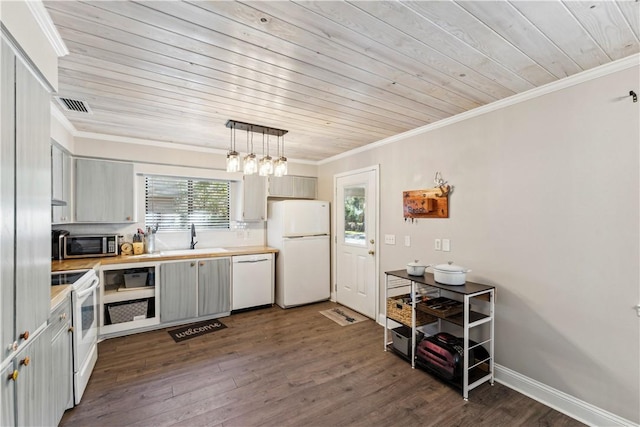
(250, 165)
(233, 158)
(267, 165)
(280, 165)
(266, 162)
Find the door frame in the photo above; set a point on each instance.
(334, 228)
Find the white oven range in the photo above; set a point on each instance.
(84, 299)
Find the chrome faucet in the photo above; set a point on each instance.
(193, 234)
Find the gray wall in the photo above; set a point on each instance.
(546, 208)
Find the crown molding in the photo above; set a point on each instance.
(43, 19)
(60, 117)
(593, 73)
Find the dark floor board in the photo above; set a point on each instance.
(274, 367)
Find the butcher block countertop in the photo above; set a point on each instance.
(169, 255)
(75, 264)
(59, 294)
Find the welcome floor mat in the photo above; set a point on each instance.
(343, 316)
(196, 329)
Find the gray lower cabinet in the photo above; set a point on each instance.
(178, 291)
(29, 387)
(191, 289)
(61, 379)
(7, 398)
(104, 191)
(214, 286)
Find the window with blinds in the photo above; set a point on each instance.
(174, 203)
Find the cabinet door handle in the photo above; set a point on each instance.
(24, 335)
(25, 361)
(193, 264)
(13, 346)
(63, 316)
(70, 329)
(201, 264)
(13, 376)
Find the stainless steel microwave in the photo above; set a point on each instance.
(84, 246)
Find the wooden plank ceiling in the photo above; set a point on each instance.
(337, 75)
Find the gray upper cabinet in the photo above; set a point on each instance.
(292, 186)
(60, 184)
(32, 203)
(7, 204)
(178, 291)
(104, 191)
(214, 286)
(26, 204)
(254, 206)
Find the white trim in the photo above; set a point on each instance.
(163, 144)
(593, 73)
(37, 9)
(334, 244)
(558, 400)
(60, 117)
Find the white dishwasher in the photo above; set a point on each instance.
(252, 281)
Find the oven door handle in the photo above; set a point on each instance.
(87, 291)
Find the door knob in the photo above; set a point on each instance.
(25, 361)
(372, 241)
(13, 376)
(24, 335)
(371, 252)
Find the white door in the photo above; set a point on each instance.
(356, 240)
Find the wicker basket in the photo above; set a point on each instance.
(399, 309)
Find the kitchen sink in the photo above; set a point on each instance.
(198, 251)
(182, 252)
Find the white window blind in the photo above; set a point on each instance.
(174, 203)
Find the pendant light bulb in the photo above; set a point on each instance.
(250, 165)
(233, 158)
(280, 165)
(266, 163)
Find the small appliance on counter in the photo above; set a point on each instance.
(66, 246)
(57, 243)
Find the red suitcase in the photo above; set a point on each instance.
(443, 353)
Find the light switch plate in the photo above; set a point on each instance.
(407, 240)
(446, 245)
(389, 239)
(437, 245)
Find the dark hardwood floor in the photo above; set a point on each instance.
(274, 367)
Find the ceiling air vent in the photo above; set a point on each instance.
(74, 105)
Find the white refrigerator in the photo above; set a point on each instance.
(299, 229)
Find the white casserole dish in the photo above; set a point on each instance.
(416, 268)
(450, 274)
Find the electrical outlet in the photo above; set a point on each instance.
(407, 240)
(446, 245)
(437, 245)
(389, 239)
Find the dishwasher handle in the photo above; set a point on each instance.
(252, 261)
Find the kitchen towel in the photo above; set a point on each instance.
(195, 330)
(343, 316)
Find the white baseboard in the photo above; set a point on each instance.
(558, 400)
